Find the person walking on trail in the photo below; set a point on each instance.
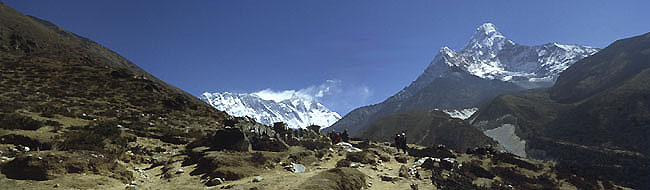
(398, 142)
(345, 136)
(337, 137)
(403, 141)
(333, 137)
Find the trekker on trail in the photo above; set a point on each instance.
(337, 136)
(403, 141)
(345, 136)
(398, 142)
(332, 136)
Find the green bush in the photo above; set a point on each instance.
(52, 123)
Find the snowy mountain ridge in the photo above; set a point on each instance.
(490, 55)
(296, 111)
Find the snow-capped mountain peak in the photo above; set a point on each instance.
(486, 41)
(447, 51)
(490, 55)
(293, 109)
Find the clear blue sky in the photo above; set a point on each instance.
(371, 48)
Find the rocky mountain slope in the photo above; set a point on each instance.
(489, 65)
(296, 112)
(595, 118)
(427, 128)
(72, 110)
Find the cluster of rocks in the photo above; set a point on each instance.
(292, 167)
(244, 134)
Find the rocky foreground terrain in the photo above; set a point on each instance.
(246, 155)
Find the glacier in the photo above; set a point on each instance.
(296, 111)
(461, 114)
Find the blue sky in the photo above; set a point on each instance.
(357, 52)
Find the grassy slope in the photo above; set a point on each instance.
(428, 129)
(50, 71)
(95, 103)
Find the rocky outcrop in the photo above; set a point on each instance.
(336, 179)
(230, 139)
(46, 165)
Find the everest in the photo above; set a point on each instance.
(296, 111)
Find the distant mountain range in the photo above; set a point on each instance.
(489, 65)
(296, 111)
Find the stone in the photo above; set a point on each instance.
(404, 172)
(258, 179)
(180, 171)
(298, 168)
(348, 147)
(414, 186)
(428, 164)
(130, 187)
(389, 178)
(214, 181)
(230, 139)
(13, 149)
(289, 168)
(265, 143)
(401, 159)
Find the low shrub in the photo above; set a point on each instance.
(474, 169)
(52, 123)
(343, 163)
(512, 159)
(17, 121)
(524, 182)
(100, 136)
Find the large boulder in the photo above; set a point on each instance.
(47, 165)
(336, 179)
(230, 138)
(348, 147)
(265, 143)
(404, 172)
(363, 157)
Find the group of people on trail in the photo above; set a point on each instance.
(400, 141)
(337, 137)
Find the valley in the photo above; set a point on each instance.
(494, 114)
